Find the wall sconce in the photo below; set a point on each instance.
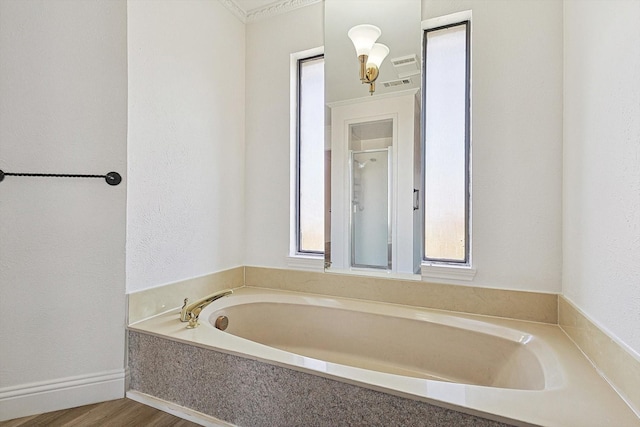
(370, 54)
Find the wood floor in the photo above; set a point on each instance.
(115, 413)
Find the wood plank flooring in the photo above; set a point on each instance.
(115, 413)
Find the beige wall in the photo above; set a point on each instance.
(601, 273)
(516, 140)
(63, 109)
(270, 42)
(517, 137)
(186, 141)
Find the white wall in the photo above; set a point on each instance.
(63, 109)
(516, 140)
(186, 141)
(602, 164)
(269, 44)
(517, 137)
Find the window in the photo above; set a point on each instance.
(447, 143)
(310, 156)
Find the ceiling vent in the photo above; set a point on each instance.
(404, 60)
(395, 83)
(406, 65)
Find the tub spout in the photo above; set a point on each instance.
(191, 312)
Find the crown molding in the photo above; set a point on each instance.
(276, 8)
(235, 10)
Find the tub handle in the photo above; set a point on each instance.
(191, 312)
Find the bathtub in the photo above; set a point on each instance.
(517, 372)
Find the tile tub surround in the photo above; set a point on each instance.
(247, 392)
(532, 306)
(615, 363)
(574, 393)
(157, 300)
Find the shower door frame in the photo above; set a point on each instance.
(352, 246)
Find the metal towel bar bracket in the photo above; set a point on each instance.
(112, 178)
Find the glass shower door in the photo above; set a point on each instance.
(371, 209)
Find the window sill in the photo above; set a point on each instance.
(306, 262)
(375, 273)
(448, 272)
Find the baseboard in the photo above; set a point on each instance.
(63, 393)
(177, 410)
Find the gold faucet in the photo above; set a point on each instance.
(191, 312)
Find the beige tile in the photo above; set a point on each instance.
(153, 301)
(619, 366)
(539, 307)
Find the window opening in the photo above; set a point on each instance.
(447, 143)
(310, 156)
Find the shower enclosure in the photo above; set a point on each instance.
(375, 220)
(371, 245)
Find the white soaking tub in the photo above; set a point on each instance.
(521, 372)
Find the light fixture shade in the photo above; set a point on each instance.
(363, 37)
(377, 55)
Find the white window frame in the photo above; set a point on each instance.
(296, 260)
(454, 271)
